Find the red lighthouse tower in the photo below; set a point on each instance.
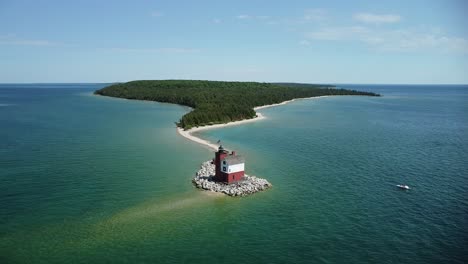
(228, 166)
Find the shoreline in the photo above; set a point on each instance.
(212, 146)
(188, 133)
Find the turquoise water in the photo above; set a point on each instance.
(92, 179)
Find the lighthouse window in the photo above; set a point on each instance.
(224, 168)
(224, 162)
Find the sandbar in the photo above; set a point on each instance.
(212, 146)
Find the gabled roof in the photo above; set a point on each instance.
(233, 160)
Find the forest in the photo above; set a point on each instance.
(215, 102)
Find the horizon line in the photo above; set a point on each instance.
(317, 83)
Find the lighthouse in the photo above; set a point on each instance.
(229, 167)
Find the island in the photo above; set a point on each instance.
(219, 104)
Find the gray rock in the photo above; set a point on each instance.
(204, 179)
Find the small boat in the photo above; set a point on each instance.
(401, 186)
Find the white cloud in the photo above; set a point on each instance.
(337, 33)
(12, 40)
(376, 19)
(158, 50)
(412, 41)
(455, 44)
(402, 40)
(177, 50)
(310, 16)
(243, 17)
(315, 14)
(260, 18)
(304, 43)
(157, 14)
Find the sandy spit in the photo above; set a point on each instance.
(212, 146)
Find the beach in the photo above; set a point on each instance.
(189, 133)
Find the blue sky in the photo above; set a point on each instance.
(289, 41)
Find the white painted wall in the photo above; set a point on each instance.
(235, 168)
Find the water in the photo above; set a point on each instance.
(93, 179)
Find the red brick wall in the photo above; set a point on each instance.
(233, 177)
(218, 173)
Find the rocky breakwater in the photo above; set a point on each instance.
(204, 179)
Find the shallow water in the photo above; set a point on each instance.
(93, 179)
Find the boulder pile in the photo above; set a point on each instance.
(204, 179)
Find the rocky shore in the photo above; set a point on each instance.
(204, 179)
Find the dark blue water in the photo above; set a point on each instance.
(92, 179)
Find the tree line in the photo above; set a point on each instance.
(219, 102)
